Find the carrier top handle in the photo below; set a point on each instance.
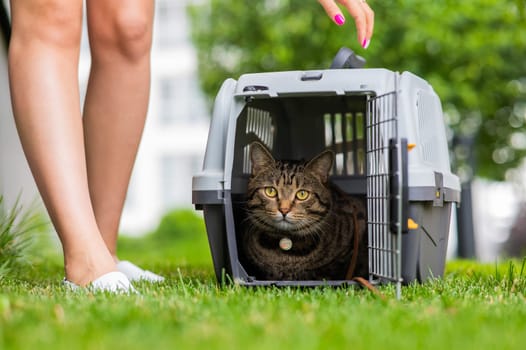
(346, 58)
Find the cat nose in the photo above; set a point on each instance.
(284, 210)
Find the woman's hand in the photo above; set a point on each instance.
(359, 10)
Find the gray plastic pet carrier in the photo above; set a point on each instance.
(388, 134)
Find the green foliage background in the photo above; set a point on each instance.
(472, 52)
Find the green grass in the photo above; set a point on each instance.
(474, 306)
(17, 224)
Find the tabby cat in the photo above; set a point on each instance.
(299, 225)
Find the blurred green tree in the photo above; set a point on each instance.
(472, 52)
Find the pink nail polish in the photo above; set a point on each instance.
(339, 19)
(365, 43)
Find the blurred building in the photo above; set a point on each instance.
(174, 140)
(495, 209)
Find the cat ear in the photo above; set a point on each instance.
(321, 165)
(260, 157)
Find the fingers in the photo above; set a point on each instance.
(360, 11)
(333, 11)
(363, 18)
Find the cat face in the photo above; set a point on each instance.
(288, 195)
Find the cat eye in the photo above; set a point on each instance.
(271, 192)
(302, 195)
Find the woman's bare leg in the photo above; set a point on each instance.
(120, 34)
(43, 64)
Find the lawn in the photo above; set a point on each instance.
(474, 306)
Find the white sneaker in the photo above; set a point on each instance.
(135, 273)
(114, 282)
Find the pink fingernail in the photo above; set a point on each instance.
(339, 19)
(365, 43)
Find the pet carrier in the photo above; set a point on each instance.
(388, 134)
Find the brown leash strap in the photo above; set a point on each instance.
(354, 257)
(352, 266)
(369, 286)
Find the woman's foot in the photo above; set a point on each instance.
(87, 260)
(114, 282)
(135, 273)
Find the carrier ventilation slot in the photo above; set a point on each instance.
(384, 242)
(344, 134)
(259, 128)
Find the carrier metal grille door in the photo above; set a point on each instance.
(384, 202)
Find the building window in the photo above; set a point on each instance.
(176, 180)
(172, 24)
(169, 96)
(181, 101)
